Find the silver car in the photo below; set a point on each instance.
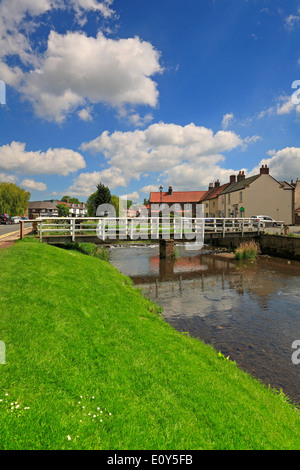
(264, 219)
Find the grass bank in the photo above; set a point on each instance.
(91, 365)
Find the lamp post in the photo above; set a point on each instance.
(160, 190)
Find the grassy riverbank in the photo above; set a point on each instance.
(91, 365)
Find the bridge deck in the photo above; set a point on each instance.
(114, 230)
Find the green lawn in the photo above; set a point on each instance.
(91, 365)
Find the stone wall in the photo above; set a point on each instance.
(281, 246)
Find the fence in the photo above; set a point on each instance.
(146, 227)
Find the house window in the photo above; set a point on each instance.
(241, 196)
(214, 204)
(228, 198)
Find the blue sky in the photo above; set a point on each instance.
(137, 94)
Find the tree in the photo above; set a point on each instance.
(91, 211)
(101, 196)
(63, 210)
(71, 200)
(13, 199)
(115, 203)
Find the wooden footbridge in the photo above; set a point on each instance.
(165, 231)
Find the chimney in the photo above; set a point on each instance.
(264, 170)
(170, 190)
(210, 186)
(217, 184)
(239, 176)
(232, 179)
(243, 176)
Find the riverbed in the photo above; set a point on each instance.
(248, 310)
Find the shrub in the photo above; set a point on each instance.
(88, 249)
(246, 250)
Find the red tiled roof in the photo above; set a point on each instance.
(65, 203)
(214, 192)
(177, 197)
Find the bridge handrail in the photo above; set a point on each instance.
(105, 226)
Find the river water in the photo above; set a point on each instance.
(248, 310)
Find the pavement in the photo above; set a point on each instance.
(10, 237)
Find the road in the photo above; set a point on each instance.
(9, 229)
(292, 229)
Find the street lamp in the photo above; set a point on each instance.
(160, 189)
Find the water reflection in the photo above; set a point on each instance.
(248, 310)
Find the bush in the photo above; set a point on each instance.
(247, 250)
(88, 249)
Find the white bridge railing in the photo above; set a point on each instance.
(122, 228)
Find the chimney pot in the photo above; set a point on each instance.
(170, 190)
(232, 179)
(264, 170)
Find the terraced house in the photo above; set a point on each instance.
(211, 199)
(178, 202)
(242, 197)
(260, 194)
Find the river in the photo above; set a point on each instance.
(248, 310)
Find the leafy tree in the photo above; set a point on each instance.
(115, 203)
(71, 200)
(101, 196)
(91, 210)
(63, 210)
(13, 199)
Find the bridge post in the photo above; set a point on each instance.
(73, 229)
(166, 249)
(21, 229)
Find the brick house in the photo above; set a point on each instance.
(42, 209)
(260, 194)
(211, 199)
(178, 202)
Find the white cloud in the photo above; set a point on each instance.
(284, 164)
(7, 178)
(160, 147)
(284, 105)
(227, 120)
(185, 156)
(103, 7)
(12, 14)
(85, 114)
(291, 21)
(75, 70)
(188, 176)
(14, 157)
(33, 185)
(150, 188)
(132, 196)
(86, 183)
(78, 69)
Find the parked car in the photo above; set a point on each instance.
(264, 219)
(16, 220)
(5, 219)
